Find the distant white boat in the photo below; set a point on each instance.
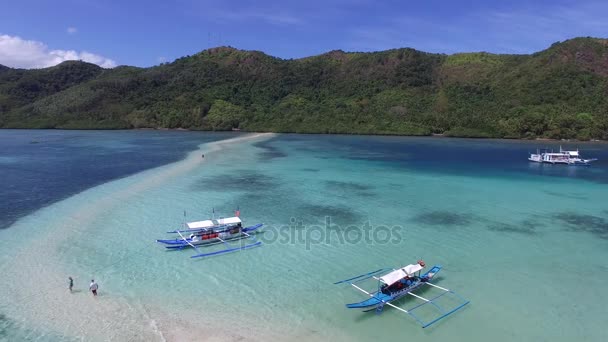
(562, 157)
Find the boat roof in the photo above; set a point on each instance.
(213, 223)
(411, 269)
(561, 154)
(398, 274)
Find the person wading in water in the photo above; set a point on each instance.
(93, 287)
(71, 283)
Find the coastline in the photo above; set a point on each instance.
(151, 294)
(35, 271)
(244, 131)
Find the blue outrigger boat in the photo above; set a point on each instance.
(399, 283)
(213, 232)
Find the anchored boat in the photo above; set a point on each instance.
(213, 232)
(400, 283)
(562, 157)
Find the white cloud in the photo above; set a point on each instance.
(20, 53)
(72, 30)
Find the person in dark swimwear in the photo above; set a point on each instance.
(71, 283)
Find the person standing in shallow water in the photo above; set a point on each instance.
(71, 283)
(93, 287)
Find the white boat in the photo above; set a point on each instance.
(212, 232)
(562, 157)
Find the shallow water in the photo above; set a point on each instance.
(525, 243)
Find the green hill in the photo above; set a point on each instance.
(560, 92)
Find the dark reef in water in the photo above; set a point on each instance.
(531, 224)
(349, 188)
(270, 152)
(443, 218)
(346, 186)
(527, 227)
(5, 325)
(244, 181)
(566, 195)
(595, 225)
(511, 228)
(338, 214)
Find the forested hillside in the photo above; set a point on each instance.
(561, 92)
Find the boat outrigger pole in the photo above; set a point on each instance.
(256, 244)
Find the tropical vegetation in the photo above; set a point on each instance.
(561, 92)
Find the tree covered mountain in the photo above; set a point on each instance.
(561, 92)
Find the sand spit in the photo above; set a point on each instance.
(35, 278)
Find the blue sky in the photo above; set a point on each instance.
(144, 33)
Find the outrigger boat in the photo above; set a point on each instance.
(213, 232)
(564, 157)
(402, 282)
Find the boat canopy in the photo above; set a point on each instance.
(213, 223)
(411, 269)
(396, 275)
(570, 153)
(393, 277)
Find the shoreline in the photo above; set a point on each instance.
(147, 294)
(43, 305)
(238, 132)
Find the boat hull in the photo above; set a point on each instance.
(557, 162)
(379, 298)
(179, 243)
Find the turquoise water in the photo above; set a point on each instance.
(525, 243)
